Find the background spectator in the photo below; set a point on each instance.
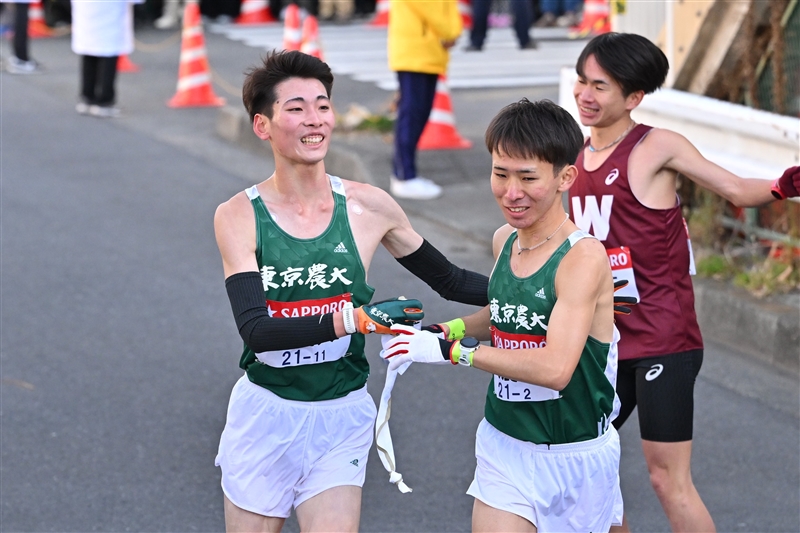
(420, 34)
(101, 32)
(523, 16)
(19, 62)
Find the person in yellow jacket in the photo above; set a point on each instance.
(420, 34)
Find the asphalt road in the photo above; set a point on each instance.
(118, 350)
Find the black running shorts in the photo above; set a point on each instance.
(663, 389)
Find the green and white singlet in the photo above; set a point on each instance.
(520, 311)
(304, 277)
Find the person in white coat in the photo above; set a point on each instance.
(101, 32)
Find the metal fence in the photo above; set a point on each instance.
(777, 72)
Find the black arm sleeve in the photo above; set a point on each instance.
(451, 282)
(263, 333)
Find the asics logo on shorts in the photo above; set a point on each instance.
(654, 372)
(340, 249)
(612, 176)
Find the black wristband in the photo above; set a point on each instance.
(448, 280)
(262, 333)
(446, 347)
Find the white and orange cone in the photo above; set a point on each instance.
(310, 43)
(381, 17)
(255, 12)
(37, 27)
(292, 34)
(596, 20)
(440, 132)
(194, 74)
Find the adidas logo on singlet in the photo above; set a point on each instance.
(340, 249)
(540, 294)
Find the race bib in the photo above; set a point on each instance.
(622, 268)
(310, 355)
(510, 390)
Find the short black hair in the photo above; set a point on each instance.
(631, 60)
(541, 130)
(258, 91)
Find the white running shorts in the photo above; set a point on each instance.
(568, 487)
(278, 453)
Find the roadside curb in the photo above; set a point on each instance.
(764, 330)
(767, 330)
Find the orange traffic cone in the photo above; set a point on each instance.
(465, 8)
(596, 20)
(255, 12)
(310, 44)
(292, 35)
(36, 25)
(194, 75)
(381, 17)
(440, 131)
(126, 65)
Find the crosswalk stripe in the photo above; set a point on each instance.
(359, 51)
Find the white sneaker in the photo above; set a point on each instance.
(104, 111)
(414, 189)
(14, 65)
(166, 22)
(169, 16)
(82, 108)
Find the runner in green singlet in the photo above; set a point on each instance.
(547, 453)
(295, 250)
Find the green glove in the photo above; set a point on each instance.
(379, 317)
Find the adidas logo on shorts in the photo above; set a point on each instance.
(340, 249)
(354, 462)
(540, 294)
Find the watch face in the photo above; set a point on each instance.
(469, 342)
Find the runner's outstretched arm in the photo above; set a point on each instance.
(448, 280)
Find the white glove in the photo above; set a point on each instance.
(412, 345)
(385, 340)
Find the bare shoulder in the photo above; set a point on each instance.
(376, 206)
(235, 210)
(589, 249)
(664, 141)
(587, 259)
(499, 239)
(371, 198)
(380, 220)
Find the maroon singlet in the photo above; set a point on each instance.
(647, 246)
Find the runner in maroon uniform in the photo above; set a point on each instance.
(625, 195)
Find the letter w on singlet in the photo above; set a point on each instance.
(592, 216)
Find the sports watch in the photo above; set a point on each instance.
(468, 347)
(348, 319)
